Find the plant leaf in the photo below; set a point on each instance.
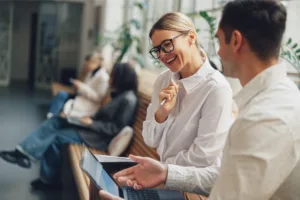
(141, 6)
(298, 51)
(136, 23)
(289, 41)
(295, 45)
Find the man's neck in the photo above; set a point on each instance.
(253, 67)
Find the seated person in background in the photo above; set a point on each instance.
(45, 143)
(262, 154)
(89, 92)
(191, 106)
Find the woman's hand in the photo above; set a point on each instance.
(167, 97)
(86, 120)
(63, 115)
(76, 83)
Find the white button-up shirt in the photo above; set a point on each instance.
(261, 155)
(195, 132)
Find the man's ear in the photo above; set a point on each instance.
(236, 40)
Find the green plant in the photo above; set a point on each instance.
(290, 51)
(122, 40)
(211, 21)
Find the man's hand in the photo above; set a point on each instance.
(149, 173)
(86, 120)
(107, 196)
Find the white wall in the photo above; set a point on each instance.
(292, 27)
(87, 24)
(113, 18)
(21, 39)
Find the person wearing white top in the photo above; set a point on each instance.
(91, 88)
(90, 94)
(191, 106)
(261, 155)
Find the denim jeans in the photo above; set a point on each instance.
(45, 144)
(58, 102)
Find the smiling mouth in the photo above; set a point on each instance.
(171, 59)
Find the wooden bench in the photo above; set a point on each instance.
(86, 190)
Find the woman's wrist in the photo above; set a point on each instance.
(160, 117)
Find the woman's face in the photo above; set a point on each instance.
(92, 64)
(179, 56)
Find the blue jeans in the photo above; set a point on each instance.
(45, 144)
(58, 102)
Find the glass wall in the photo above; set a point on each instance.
(6, 17)
(59, 30)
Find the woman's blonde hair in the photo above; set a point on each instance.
(94, 56)
(175, 21)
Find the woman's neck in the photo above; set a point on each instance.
(195, 63)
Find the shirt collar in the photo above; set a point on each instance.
(261, 81)
(192, 81)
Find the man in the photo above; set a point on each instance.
(261, 155)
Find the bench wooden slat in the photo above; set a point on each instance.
(79, 176)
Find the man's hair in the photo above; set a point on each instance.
(261, 22)
(124, 77)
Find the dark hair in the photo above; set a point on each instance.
(262, 23)
(124, 77)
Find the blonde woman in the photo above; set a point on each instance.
(191, 107)
(91, 88)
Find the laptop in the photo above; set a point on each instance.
(97, 174)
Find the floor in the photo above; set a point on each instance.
(21, 111)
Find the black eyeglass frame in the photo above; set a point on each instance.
(159, 47)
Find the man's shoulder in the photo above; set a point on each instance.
(275, 105)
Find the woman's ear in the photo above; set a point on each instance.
(192, 37)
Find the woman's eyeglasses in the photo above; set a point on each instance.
(166, 46)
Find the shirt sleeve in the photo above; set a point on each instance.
(216, 119)
(191, 179)
(258, 157)
(97, 92)
(152, 130)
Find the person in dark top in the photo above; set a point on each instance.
(45, 143)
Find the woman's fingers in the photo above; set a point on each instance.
(167, 94)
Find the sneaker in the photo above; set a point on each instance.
(16, 157)
(39, 184)
(49, 115)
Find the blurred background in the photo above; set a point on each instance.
(42, 41)
(46, 41)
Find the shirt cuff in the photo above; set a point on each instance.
(158, 126)
(176, 177)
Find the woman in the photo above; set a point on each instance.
(191, 107)
(89, 91)
(44, 144)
